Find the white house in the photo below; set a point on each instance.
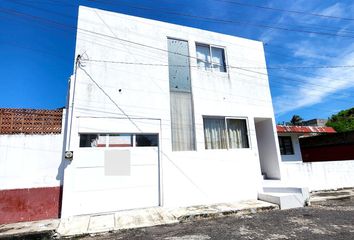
(165, 115)
(315, 175)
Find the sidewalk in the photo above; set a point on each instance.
(90, 224)
(114, 221)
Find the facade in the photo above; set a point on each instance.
(165, 115)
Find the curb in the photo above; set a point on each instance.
(319, 197)
(44, 235)
(201, 216)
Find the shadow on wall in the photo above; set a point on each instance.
(267, 148)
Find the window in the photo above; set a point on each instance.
(210, 58)
(285, 145)
(118, 140)
(92, 140)
(224, 133)
(181, 104)
(146, 140)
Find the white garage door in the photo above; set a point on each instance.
(112, 172)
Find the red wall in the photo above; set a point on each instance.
(328, 153)
(30, 204)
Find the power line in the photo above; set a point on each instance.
(70, 27)
(285, 10)
(229, 66)
(250, 76)
(46, 10)
(240, 22)
(120, 39)
(302, 23)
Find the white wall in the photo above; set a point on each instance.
(268, 148)
(30, 161)
(320, 175)
(190, 177)
(296, 146)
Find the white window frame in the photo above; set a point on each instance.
(248, 131)
(211, 56)
(227, 132)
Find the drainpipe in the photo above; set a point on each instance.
(71, 106)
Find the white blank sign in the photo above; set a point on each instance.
(117, 163)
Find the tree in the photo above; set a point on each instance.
(296, 120)
(342, 121)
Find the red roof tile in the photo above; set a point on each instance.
(304, 129)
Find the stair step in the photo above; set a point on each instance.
(284, 200)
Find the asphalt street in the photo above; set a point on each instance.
(330, 220)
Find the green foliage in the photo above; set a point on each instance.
(342, 121)
(296, 120)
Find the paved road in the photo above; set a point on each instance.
(332, 220)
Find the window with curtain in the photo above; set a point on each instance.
(215, 133)
(237, 133)
(222, 133)
(286, 145)
(203, 57)
(218, 59)
(210, 58)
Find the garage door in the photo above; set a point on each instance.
(112, 172)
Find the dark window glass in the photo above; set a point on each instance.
(146, 140)
(286, 145)
(92, 140)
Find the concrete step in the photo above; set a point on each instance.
(283, 200)
(285, 197)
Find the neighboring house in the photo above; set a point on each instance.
(31, 167)
(288, 137)
(320, 162)
(165, 115)
(316, 122)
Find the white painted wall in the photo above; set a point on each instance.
(296, 146)
(30, 161)
(190, 177)
(267, 143)
(319, 175)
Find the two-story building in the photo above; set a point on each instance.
(165, 115)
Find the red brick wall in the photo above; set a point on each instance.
(30, 204)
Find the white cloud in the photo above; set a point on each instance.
(316, 89)
(336, 9)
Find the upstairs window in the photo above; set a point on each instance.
(286, 145)
(210, 58)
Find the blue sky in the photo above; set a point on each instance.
(37, 55)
